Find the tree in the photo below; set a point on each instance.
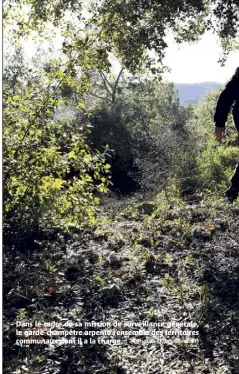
(144, 127)
(129, 29)
(39, 152)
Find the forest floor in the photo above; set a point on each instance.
(179, 264)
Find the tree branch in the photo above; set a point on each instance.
(99, 97)
(105, 80)
(115, 85)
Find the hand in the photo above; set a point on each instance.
(220, 132)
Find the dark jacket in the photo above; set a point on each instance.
(228, 97)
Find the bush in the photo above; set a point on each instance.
(39, 154)
(206, 163)
(145, 129)
(216, 165)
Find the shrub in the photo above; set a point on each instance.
(39, 154)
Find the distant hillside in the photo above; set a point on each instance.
(189, 93)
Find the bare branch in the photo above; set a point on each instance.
(99, 97)
(105, 82)
(115, 85)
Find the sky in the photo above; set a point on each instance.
(189, 63)
(198, 62)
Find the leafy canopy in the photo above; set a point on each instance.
(128, 28)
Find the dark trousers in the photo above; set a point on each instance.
(235, 177)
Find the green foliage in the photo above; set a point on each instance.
(51, 172)
(144, 126)
(211, 163)
(168, 197)
(132, 28)
(128, 30)
(40, 152)
(215, 166)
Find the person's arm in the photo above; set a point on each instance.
(224, 104)
(225, 101)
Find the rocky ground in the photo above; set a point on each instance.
(179, 263)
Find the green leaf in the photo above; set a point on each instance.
(81, 105)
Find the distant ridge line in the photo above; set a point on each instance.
(189, 93)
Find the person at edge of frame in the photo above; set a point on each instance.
(229, 97)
